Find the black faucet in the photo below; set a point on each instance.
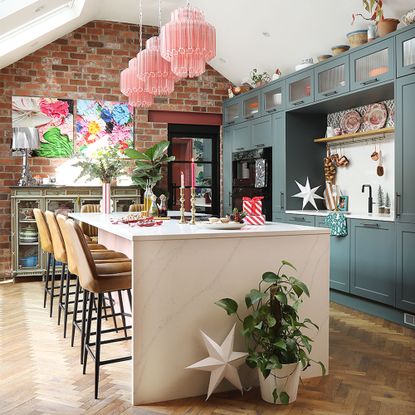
(370, 200)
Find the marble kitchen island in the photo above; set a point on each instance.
(179, 271)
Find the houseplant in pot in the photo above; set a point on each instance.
(277, 344)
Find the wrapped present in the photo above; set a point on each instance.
(252, 206)
(254, 219)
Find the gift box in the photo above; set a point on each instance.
(252, 206)
(254, 219)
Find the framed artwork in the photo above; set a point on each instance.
(52, 119)
(343, 205)
(103, 123)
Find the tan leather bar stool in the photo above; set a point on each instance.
(136, 207)
(89, 230)
(97, 279)
(47, 246)
(99, 256)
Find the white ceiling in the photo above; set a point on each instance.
(296, 29)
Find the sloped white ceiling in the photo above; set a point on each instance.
(297, 29)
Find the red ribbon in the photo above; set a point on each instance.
(253, 202)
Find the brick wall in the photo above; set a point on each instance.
(86, 64)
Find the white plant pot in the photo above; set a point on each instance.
(285, 379)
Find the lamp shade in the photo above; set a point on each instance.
(25, 138)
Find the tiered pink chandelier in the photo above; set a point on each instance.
(188, 42)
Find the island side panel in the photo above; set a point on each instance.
(176, 283)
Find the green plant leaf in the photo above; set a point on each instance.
(249, 323)
(298, 290)
(134, 154)
(281, 297)
(229, 305)
(284, 398)
(253, 297)
(271, 320)
(270, 277)
(284, 262)
(275, 395)
(308, 321)
(273, 363)
(323, 368)
(304, 287)
(252, 361)
(280, 344)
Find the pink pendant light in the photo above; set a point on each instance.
(188, 42)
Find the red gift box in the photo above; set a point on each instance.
(254, 219)
(252, 206)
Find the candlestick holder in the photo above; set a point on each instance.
(193, 206)
(182, 210)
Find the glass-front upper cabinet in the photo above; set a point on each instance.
(300, 89)
(61, 206)
(332, 78)
(232, 111)
(251, 105)
(273, 97)
(123, 205)
(405, 52)
(372, 64)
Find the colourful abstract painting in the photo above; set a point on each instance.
(103, 123)
(52, 118)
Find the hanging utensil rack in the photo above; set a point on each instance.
(366, 136)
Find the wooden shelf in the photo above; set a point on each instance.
(381, 131)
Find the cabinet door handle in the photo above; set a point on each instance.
(371, 225)
(398, 205)
(272, 110)
(329, 94)
(301, 101)
(412, 68)
(299, 219)
(259, 145)
(230, 197)
(249, 117)
(370, 81)
(240, 148)
(282, 200)
(230, 122)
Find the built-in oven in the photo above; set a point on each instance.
(252, 176)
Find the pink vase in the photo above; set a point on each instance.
(106, 198)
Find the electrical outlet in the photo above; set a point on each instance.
(409, 319)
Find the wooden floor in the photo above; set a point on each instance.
(372, 370)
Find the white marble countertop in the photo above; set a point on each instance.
(368, 216)
(171, 229)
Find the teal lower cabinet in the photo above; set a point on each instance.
(405, 272)
(298, 219)
(339, 258)
(373, 260)
(278, 217)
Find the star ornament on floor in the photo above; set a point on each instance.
(222, 362)
(308, 194)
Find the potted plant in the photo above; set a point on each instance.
(381, 206)
(258, 79)
(387, 204)
(277, 344)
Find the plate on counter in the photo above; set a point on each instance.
(230, 226)
(350, 122)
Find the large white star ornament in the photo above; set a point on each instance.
(308, 194)
(222, 362)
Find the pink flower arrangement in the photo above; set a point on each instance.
(54, 108)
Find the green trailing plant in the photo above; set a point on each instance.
(149, 163)
(380, 197)
(272, 327)
(104, 164)
(374, 8)
(258, 78)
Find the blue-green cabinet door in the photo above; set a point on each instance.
(405, 149)
(405, 52)
(373, 260)
(261, 130)
(298, 219)
(278, 162)
(300, 89)
(405, 273)
(228, 134)
(339, 258)
(242, 134)
(232, 111)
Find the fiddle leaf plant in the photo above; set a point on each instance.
(273, 329)
(149, 164)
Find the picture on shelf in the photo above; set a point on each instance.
(102, 124)
(343, 204)
(44, 125)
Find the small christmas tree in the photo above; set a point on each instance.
(387, 203)
(381, 206)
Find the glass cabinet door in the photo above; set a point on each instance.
(300, 89)
(62, 206)
(405, 45)
(273, 98)
(123, 205)
(251, 108)
(232, 112)
(27, 250)
(372, 64)
(332, 78)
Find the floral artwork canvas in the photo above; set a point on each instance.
(52, 118)
(103, 123)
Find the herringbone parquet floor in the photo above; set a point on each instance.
(372, 370)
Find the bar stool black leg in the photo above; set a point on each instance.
(47, 279)
(52, 288)
(83, 323)
(122, 312)
(75, 311)
(98, 343)
(112, 311)
(66, 311)
(61, 293)
(88, 331)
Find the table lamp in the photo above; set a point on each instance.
(25, 139)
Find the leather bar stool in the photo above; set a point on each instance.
(97, 280)
(47, 246)
(136, 207)
(89, 230)
(99, 256)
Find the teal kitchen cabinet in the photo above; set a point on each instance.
(232, 111)
(405, 53)
(339, 258)
(278, 217)
(300, 89)
(373, 260)
(278, 162)
(405, 272)
(273, 97)
(298, 219)
(372, 65)
(261, 132)
(251, 105)
(228, 135)
(405, 149)
(332, 78)
(242, 137)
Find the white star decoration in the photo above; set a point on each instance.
(308, 194)
(222, 362)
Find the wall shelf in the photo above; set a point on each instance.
(362, 134)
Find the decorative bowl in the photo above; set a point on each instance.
(357, 38)
(29, 261)
(338, 49)
(322, 58)
(409, 17)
